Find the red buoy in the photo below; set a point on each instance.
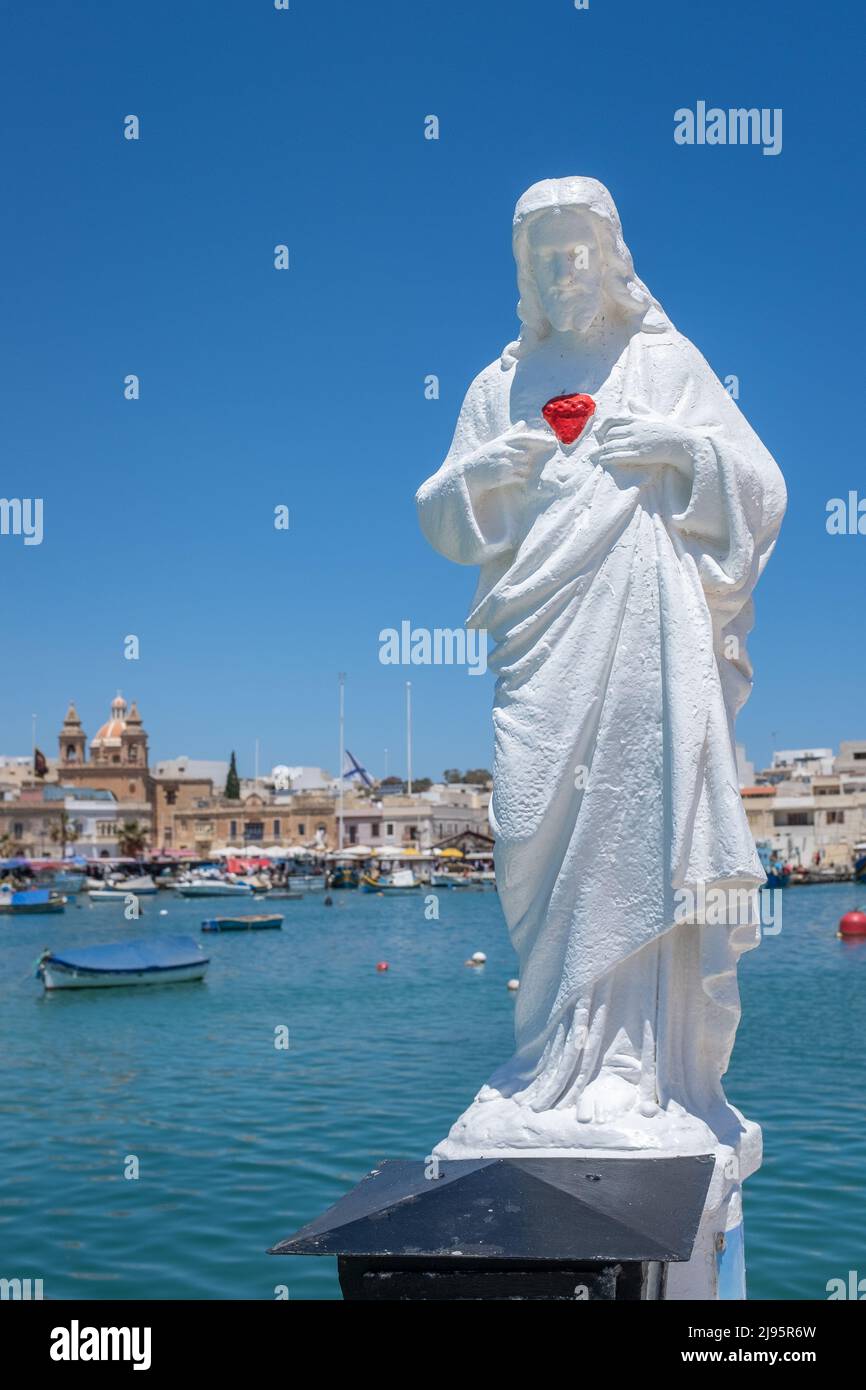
(383, 964)
(853, 924)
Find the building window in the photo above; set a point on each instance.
(18, 829)
(115, 757)
(70, 752)
(233, 830)
(835, 817)
(170, 796)
(302, 829)
(133, 754)
(389, 830)
(353, 834)
(793, 818)
(131, 786)
(254, 830)
(374, 829)
(413, 832)
(276, 828)
(105, 828)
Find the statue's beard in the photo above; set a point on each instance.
(579, 324)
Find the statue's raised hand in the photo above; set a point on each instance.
(511, 457)
(642, 437)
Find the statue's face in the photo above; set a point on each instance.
(566, 267)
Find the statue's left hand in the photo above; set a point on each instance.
(644, 438)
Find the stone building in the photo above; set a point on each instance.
(813, 817)
(423, 820)
(202, 824)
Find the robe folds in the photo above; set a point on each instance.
(618, 597)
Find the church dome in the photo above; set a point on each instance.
(110, 733)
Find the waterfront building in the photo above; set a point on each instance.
(30, 827)
(797, 765)
(851, 759)
(180, 788)
(419, 821)
(254, 821)
(816, 814)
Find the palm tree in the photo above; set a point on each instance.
(66, 833)
(132, 839)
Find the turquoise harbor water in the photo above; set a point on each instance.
(239, 1143)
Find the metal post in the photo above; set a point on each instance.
(409, 737)
(342, 756)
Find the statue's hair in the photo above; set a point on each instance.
(622, 288)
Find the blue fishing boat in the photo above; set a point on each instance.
(343, 877)
(256, 922)
(776, 870)
(30, 900)
(158, 960)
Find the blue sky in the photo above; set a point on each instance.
(306, 387)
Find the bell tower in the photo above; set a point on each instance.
(134, 740)
(72, 740)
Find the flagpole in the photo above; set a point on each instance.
(342, 756)
(409, 737)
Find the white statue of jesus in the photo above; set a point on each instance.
(616, 580)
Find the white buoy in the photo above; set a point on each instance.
(514, 984)
(479, 957)
(163, 912)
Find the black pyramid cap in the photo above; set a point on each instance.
(517, 1209)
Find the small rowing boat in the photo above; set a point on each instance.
(159, 960)
(257, 922)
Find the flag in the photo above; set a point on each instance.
(353, 771)
(40, 763)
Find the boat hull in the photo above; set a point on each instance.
(57, 976)
(214, 890)
(243, 924)
(25, 909)
(384, 885)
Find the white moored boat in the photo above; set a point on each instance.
(214, 888)
(140, 884)
(155, 961)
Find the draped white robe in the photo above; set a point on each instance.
(619, 599)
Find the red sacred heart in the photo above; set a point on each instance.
(567, 416)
